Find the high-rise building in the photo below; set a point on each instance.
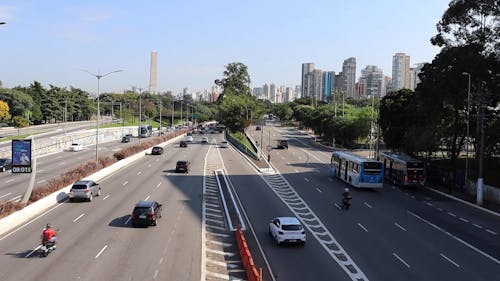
(306, 69)
(272, 92)
(349, 77)
(401, 76)
(153, 74)
(328, 84)
(372, 80)
(414, 80)
(266, 92)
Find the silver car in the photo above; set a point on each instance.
(84, 190)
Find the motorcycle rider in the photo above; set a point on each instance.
(346, 197)
(49, 235)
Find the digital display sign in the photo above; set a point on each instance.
(21, 156)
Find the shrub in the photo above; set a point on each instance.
(7, 208)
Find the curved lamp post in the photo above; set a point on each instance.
(98, 76)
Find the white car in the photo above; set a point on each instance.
(287, 229)
(189, 138)
(204, 140)
(75, 147)
(223, 144)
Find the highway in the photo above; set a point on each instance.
(96, 241)
(13, 186)
(392, 234)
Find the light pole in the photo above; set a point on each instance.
(98, 76)
(173, 110)
(467, 130)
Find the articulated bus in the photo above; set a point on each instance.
(356, 170)
(402, 169)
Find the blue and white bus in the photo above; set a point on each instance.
(356, 170)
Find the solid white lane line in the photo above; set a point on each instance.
(360, 225)
(100, 252)
(306, 179)
(79, 217)
(452, 214)
(464, 220)
(126, 222)
(319, 190)
(491, 231)
(454, 237)
(158, 185)
(7, 181)
(402, 228)
(41, 181)
(401, 260)
(106, 197)
(477, 225)
(140, 172)
(147, 198)
(16, 198)
(448, 259)
(125, 183)
(367, 205)
(30, 253)
(6, 195)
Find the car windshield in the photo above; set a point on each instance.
(292, 227)
(142, 210)
(79, 186)
(3, 161)
(181, 163)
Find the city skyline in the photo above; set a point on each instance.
(58, 39)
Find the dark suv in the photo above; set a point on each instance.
(282, 144)
(182, 166)
(157, 150)
(146, 213)
(5, 164)
(183, 144)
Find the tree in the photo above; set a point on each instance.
(236, 81)
(20, 122)
(4, 111)
(232, 112)
(470, 22)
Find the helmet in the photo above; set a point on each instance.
(48, 225)
(346, 189)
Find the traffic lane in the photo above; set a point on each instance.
(120, 198)
(261, 205)
(315, 190)
(52, 166)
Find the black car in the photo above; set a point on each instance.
(258, 128)
(282, 144)
(5, 164)
(183, 144)
(157, 150)
(146, 213)
(182, 166)
(126, 138)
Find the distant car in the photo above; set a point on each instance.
(5, 164)
(189, 134)
(224, 144)
(126, 138)
(146, 213)
(157, 150)
(183, 144)
(204, 140)
(189, 138)
(75, 147)
(287, 229)
(84, 190)
(182, 166)
(258, 128)
(282, 144)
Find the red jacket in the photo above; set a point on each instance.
(48, 234)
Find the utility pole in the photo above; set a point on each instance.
(480, 179)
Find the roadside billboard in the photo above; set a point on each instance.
(21, 156)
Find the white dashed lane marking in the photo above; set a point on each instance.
(106, 197)
(101, 251)
(362, 227)
(79, 217)
(401, 260)
(125, 183)
(402, 228)
(448, 259)
(367, 205)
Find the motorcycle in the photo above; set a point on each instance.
(47, 247)
(345, 204)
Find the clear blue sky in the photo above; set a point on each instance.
(51, 40)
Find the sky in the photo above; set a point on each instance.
(53, 41)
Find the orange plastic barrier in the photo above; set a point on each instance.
(246, 257)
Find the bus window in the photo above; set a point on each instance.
(372, 168)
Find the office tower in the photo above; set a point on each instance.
(306, 69)
(372, 80)
(272, 93)
(266, 92)
(401, 71)
(414, 80)
(349, 77)
(153, 74)
(339, 83)
(328, 84)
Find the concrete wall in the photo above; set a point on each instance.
(491, 193)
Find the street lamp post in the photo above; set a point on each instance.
(98, 76)
(467, 130)
(173, 110)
